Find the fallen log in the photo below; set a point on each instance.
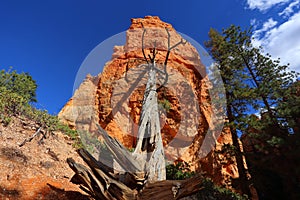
(103, 185)
(171, 189)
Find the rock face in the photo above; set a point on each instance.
(114, 98)
(80, 109)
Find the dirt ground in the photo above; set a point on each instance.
(36, 171)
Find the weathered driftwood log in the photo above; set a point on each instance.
(171, 189)
(102, 184)
(96, 182)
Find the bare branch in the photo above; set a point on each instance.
(143, 47)
(182, 41)
(100, 185)
(127, 68)
(30, 138)
(120, 153)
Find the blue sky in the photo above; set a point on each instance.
(51, 39)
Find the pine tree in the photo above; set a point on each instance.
(236, 92)
(254, 83)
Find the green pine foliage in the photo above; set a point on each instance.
(257, 83)
(253, 80)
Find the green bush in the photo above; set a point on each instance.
(179, 171)
(164, 104)
(21, 84)
(209, 191)
(73, 134)
(91, 142)
(10, 104)
(6, 120)
(16, 91)
(132, 149)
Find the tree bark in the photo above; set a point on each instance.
(243, 178)
(149, 149)
(101, 184)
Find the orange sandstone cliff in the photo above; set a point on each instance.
(112, 100)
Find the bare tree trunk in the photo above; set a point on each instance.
(149, 149)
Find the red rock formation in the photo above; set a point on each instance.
(115, 102)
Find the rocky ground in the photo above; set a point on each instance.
(36, 171)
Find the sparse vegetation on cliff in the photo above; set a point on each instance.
(17, 93)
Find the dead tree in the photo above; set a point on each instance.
(149, 149)
(145, 173)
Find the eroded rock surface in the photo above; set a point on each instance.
(114, 99)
